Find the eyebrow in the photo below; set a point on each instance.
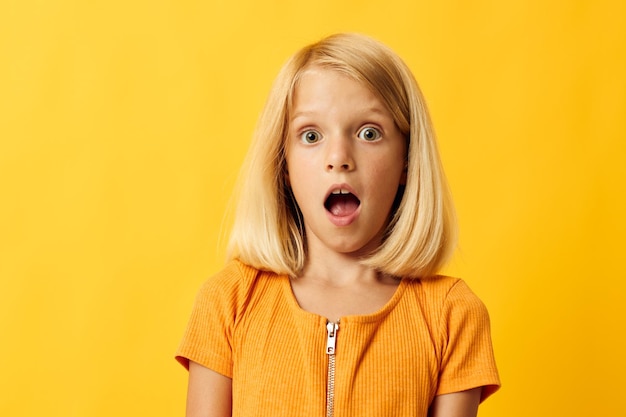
(375, 110)
(301, 114)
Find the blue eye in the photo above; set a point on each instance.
(370, 134)
(310, 136)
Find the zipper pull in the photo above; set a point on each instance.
(332, 337)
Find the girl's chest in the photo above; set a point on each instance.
(281, 359)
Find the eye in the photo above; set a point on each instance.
(310, 136)
(370, 134)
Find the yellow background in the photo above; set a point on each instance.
(123, 124)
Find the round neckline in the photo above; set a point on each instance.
(360, 318)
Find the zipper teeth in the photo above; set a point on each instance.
(331, 340)
(330, 391)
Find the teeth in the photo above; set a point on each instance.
(340, 191)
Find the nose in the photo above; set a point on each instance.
(339, 155)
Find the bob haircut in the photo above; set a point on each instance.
(268, 232)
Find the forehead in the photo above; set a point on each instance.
(321, 88)
(315, 73)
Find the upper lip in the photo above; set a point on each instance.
(340, 189)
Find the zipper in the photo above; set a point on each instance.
(331, 342)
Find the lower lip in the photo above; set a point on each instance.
(342, 221)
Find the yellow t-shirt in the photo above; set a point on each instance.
(432, 337)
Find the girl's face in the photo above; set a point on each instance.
(345, 160)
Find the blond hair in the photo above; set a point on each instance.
(268, 232)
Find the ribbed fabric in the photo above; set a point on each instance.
(431, 338)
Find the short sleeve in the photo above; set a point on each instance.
(467, 355)
(207, 339)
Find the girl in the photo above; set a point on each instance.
(330, 304)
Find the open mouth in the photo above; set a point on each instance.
(341, 203)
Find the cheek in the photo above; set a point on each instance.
(297, 179)
(298, 164)
(403, 177)
(390, 168)
(287, 172)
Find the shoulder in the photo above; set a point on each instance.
(234, 286)
(448, 303)
(234, 273)
(230, 286)
(234, 277)
(444, 290)
(454, 307)
(219, 305)
(463, 336)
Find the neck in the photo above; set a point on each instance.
(338, 274)
(337, 269)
